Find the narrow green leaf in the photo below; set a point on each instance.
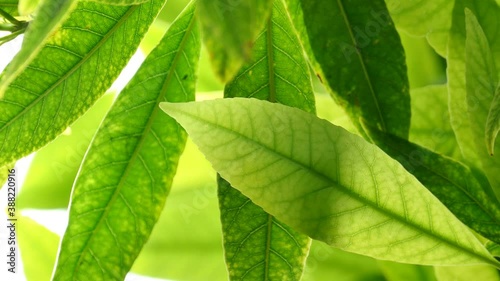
(327, 183)
(467, 273)
(53, 170)
(120, 2)
(229, 28)
(359, 57)
(262, 247)
(430, 121)
(493, 122)
(472, 81)
(451, 182)
(429, 18)
(407, 272)
(38, 251)
(49, 17)
(127, 172)
(70, 74)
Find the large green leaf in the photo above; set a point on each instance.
(493, 122)
(229, 28)
(74, 68)
(430, 121)
(127, 172)
(54, 167)
(49, 17)
(467, 273)
(469, 102)
(451, 182)
(262, 247)
(327, 183)
(359, 57)
(120, 2)
(38, 251)
(407, 272)
(430, 18)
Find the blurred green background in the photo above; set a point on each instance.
(186, 244)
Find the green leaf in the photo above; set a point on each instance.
(467, 273)
(327, 183)
(493, 122)
(359, 57)
(127, 172)
(53, 169)
(9, 6)
(407, 272)
(68, 76)
(49, 17)
(120, 2)
(493, 248)
(262, 247)
(472, 81)
(4, 174)
(451, 182)
(38, 252)
(229, 28)
(27, 7)
(430, 121)
(429, 18)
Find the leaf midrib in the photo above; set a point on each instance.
(74, 68)
(363, 66)
(141, 141)
(342, 188)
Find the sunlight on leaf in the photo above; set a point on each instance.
(76, 66)
(467, 273)
(127, 173)
(326, 182)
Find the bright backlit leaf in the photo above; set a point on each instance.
(327, 183)
(467, 273)
(74, 68)
(120, 2)
(49, 17)
(127, 173)
(229, 30)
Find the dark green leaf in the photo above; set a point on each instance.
(49, 17)
(70, 74)
(451, 182)
(229, 29)
(358, 54)
(407, 272)
(127, 172)
(327, 183)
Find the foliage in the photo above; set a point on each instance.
(398, 183)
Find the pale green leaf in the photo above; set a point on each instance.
(467, 273)
(430, 121)
(262, 247)
(451, 182)
(74, 68)
(128, 170)
(357, 52)
(327, 183)
(48, 19)
(38, 247)
(429, 18)
(53, 170)
(229, 29)
(493, 122)
(406, 272)
(469, 102)
(27, 7)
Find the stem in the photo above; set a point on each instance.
(8, 27)
(10, 37)
(10, 18)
